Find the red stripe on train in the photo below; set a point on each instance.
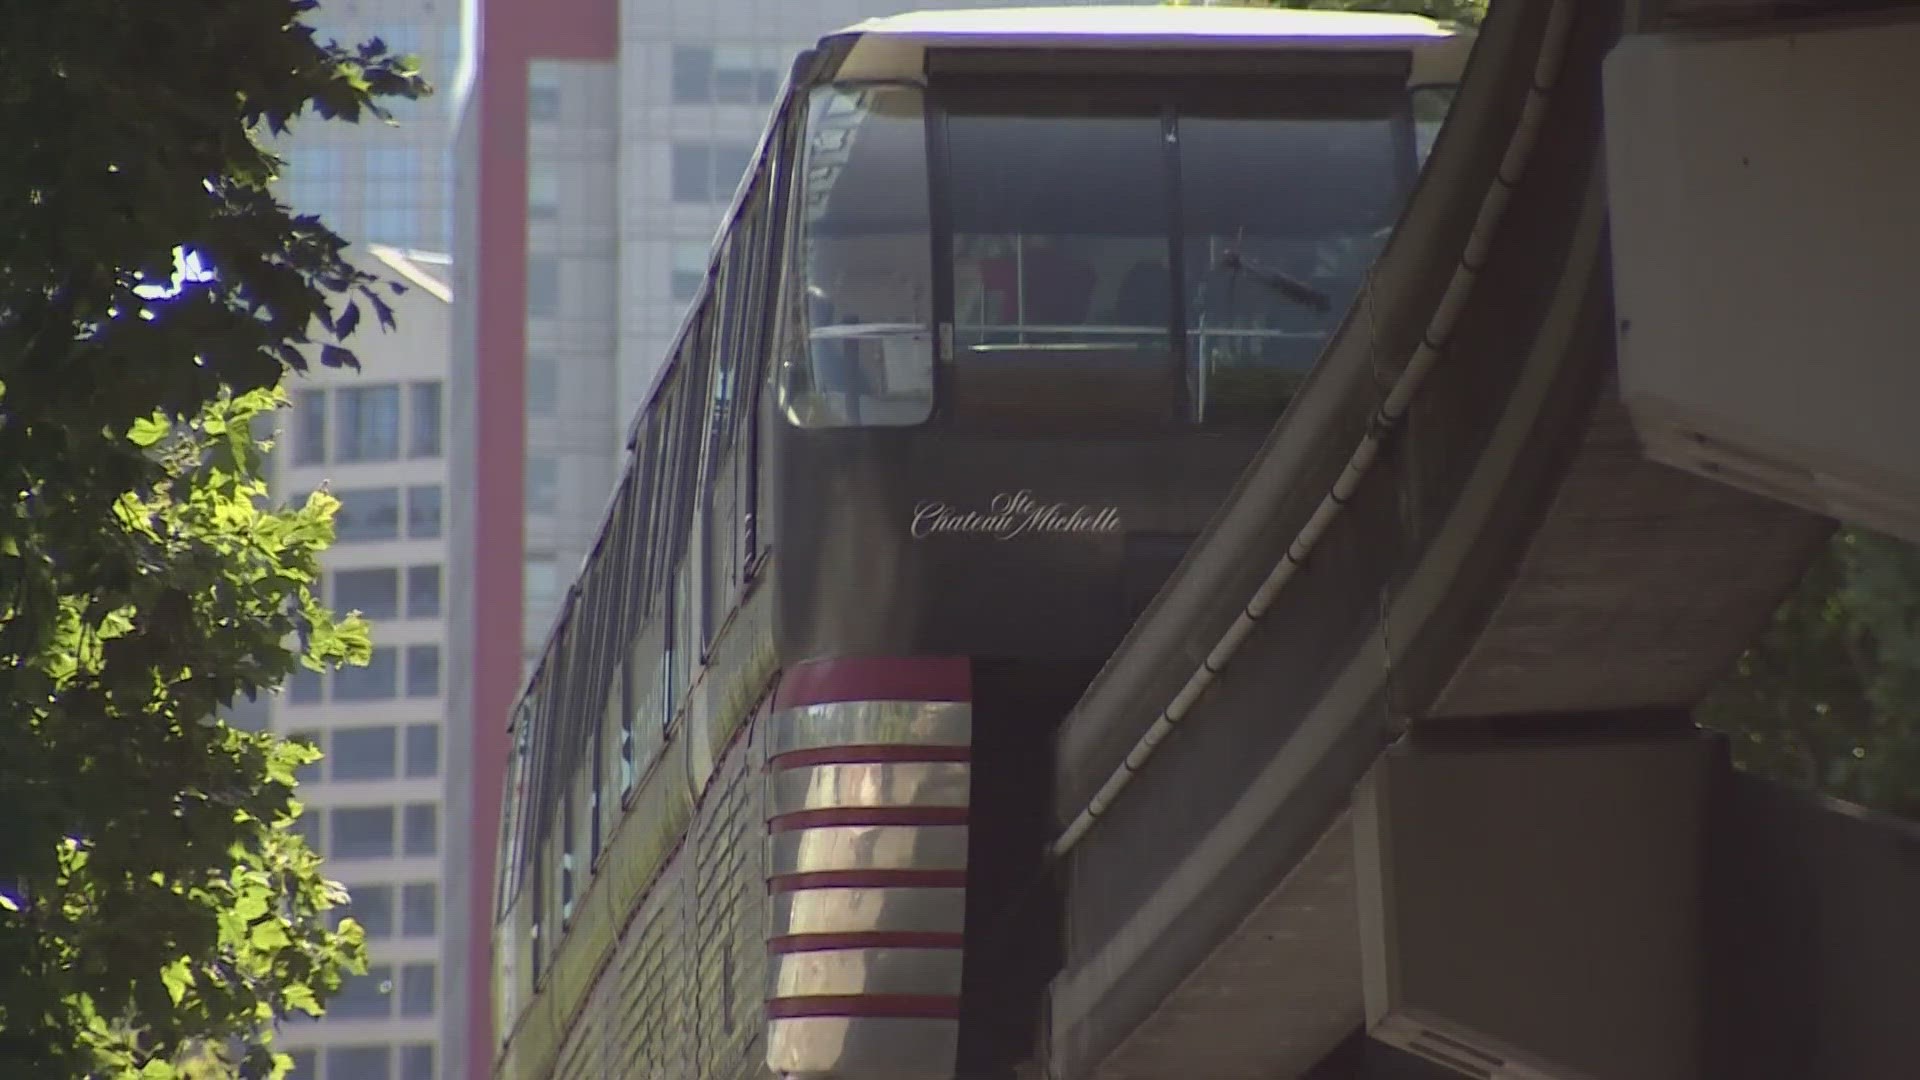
(883, 1006)
(876, 754)
(907, 678)
(827, 817)
(866, 939)
(868, 879)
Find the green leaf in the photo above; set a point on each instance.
(300, 996)
(148, 431)
(178, 977)
(270, 935)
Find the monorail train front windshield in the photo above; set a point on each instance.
(1081, 261)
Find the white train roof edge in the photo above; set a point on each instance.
(892, 47)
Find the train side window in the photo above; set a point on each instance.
(865, 256)
(743, 322)
(670, 640)
(566, 856)
(610, 719)
(536, 946)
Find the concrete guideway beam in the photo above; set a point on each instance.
(1761, 178)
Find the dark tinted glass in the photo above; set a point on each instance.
(1282, 217)
(1061, 255)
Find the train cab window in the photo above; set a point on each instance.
(1062, 293)
(866, 260)
(1282, 216)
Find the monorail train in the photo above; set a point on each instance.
(1003, 306)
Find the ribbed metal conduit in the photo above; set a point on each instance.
(1433, 346)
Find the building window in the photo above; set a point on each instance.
(367, 514)
(362, 832)
(692, 173)
(416, 1061)
(369, 423)
(365, 753)
(308, 826)
(543, 483)
(248, 714)
(423, 512)
(543, 385)
(543, 286)
(420, 909)
(704, 173)
(357, 1062)
(371, 906)
(310, 427)
(304, 686)
(374, 593)
(423, 671)
(424, 437)
(423, 591)
(543, 102)
(689, 268)
(362, 997)
(396, 225)
(727, 76)
(304, 1066)
(542, 579)
(379, 680)
(692, 75)
(734, 76)
(416, 990)
(543, 195)
(423, 750)
(422, 829)
(394, 163)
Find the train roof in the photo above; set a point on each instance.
(1156, 21)
(894, 46)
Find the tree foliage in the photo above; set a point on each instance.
(1829, 696)
(156, 906)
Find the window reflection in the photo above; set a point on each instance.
(1282, 217)
(1049, 253)
(369, 423)
(869, 291)
(1061, 256)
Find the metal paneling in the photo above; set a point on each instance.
(870, 723)
(891, 784)
(867, 922)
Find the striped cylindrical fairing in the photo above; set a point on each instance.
(868, 778)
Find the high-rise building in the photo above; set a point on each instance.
(377, 439)
(375, 182)
(598, 143)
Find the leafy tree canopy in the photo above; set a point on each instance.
(1829, 696)
(158, 912)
